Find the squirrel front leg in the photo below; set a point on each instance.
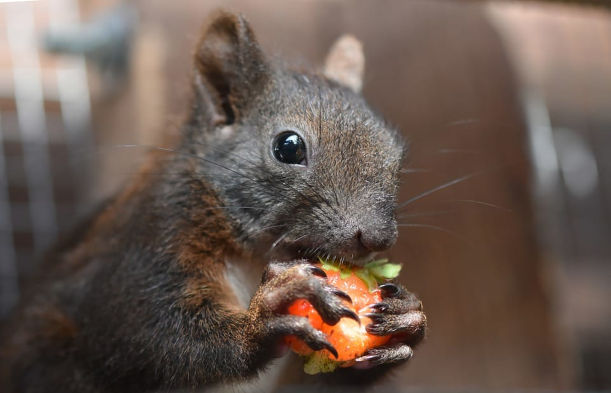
(220, 343)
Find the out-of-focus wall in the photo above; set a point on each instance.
(563, 58)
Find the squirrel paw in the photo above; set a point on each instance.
(282, 285)
(384, 355)
(399, 314)
(300, 327)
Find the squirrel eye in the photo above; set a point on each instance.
(290, 148)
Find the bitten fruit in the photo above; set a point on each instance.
(350, 339)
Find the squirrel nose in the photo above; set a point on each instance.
(376, 240)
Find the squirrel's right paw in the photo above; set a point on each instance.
(282, 285)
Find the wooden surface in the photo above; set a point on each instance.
(438, 71)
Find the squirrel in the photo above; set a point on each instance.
(169, 285)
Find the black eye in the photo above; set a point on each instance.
(290, 148)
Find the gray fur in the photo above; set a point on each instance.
(349, 184)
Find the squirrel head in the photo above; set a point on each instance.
(302, 165)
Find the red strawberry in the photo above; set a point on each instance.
(350, 339)
(303, 308)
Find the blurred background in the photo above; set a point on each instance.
(506, 231)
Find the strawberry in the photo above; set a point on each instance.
(303, 308)
(350, 339)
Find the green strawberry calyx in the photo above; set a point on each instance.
(372, 274)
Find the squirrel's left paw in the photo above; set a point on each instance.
(384, 355)
(398, 314)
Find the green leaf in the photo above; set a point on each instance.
(327, 265)
(375, 263)
(372, 273)
(368, 278)
(319, 363)
(386, 271)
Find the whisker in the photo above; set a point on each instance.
(168, 150)
(471, 121)
(482, 203)
(453, 182)
(413, 170)
(436, 228)
(299, 238)
(234, 207)
(425, 214)
(288, 186)
(462, 122)
(243, 175)
(463, 151)
(265, 229)
(438, 188)
(280, 238)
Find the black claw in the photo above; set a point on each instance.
(315, 270)
(342, 295)
(330, 348)
(367, 358)
(348, 313)
(374, 329)
(389, 289)
(374, 316)
(380, 307)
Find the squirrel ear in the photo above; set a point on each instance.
(345, 62)
(230, 67)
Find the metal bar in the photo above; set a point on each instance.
(73, 91)
(9, 290)
(22, 39)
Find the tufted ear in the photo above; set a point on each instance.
(345, 62)
(230, 68)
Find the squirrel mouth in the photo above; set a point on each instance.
(311, 249)
(313, 252)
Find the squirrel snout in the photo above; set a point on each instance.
(356, 244)
(375, 239)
